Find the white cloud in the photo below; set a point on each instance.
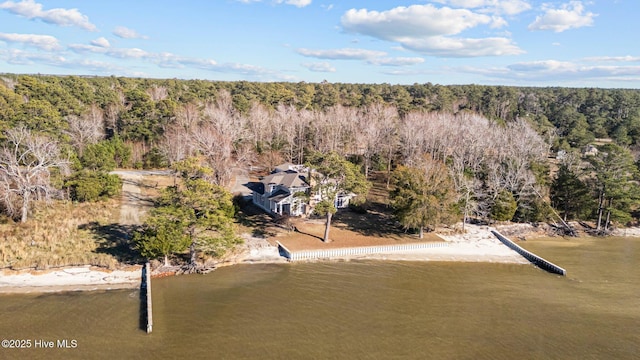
(19, 57)
(170, 60)
(410, 72)
(411, 22)
(319, 67)
(498, 22)
(396, 61)
(456, 47)
(44, 42)
(341, 54)
(429, 30)
(544, 65)
(371, 56)
(627, 58)
(506, 7)
(101, 42)
(129, 53)
(296, 3)
(82, 48)
(237, 68)
(62, 17)
(571, 15)
(119, 53)
(126, 33)
(545, 71)
(563, 70)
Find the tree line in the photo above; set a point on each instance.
(509, 153)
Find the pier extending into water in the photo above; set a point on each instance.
(147, 292)
(533, 258)
(353, 251)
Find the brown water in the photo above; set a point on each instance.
(358, 310)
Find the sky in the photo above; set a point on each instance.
(490, 42)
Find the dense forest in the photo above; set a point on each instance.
(509, 152)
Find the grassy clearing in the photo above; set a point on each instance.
(61, 234)
(152, 184)
(69, 234)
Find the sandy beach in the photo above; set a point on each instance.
(476, 245)
(81, 278)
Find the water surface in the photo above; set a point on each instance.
(358, 310)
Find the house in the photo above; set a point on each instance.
(590, 150)
(287, 190)
(283, 192)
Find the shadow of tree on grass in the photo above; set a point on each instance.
(115, 240)
(261, 224)
(371, 223)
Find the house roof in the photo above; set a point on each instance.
(283, 167)
(257, 187)
(279, 195)
(288, 179)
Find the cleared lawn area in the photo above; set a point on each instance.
(350, 228)
(310, 233)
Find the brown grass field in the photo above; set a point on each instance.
(62, 234)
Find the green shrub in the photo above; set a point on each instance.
(154, 159)
(88, 185)
(504, 207)
(106, 155)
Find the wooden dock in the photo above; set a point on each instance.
(149, 304)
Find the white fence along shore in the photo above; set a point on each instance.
(354, 251)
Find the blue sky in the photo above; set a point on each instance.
(492, 42)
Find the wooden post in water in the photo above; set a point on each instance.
(149, 304)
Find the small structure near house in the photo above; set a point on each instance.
(590, 150)
(287, 191)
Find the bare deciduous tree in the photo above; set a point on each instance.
(176, 144)
(484, 158)
(87, 129)
(221, 137)
(187, 115)
(26, 162)
(372, 128)
(332, 130)
(157, 93)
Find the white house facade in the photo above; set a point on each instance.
(287, 191)
(284, 192)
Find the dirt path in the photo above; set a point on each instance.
(239, 181)
(134, 202)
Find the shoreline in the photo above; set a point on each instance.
(477, 244)
(76, 278)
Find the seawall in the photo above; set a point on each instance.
(533, 258)
(337, 253)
